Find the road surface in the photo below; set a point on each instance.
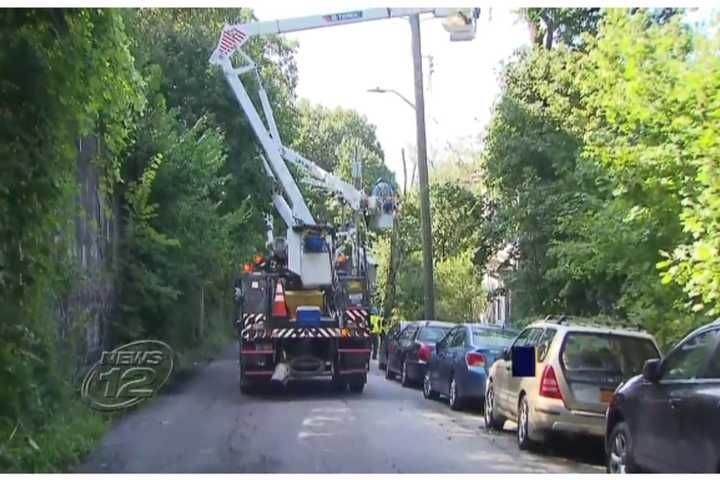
(206, 425)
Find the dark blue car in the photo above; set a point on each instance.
(458, 368)
(667, 420)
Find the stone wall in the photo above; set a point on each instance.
(87, 309)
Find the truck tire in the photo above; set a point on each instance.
(339, 384)
(357, 386)
(247, 387)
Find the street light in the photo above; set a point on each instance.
(423, 183)
(390, 90)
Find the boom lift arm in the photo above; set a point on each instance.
(310, 263)
(460, 24)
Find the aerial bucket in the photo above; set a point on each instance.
(460, 23)
(385, 204)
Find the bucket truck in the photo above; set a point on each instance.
(303, 310)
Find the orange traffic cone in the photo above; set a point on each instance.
(279, 308)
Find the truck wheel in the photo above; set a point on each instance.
(357, 386)
(339, 384)
(246, 386)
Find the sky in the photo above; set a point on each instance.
(337, 65)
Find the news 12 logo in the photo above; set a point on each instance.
(128, 375)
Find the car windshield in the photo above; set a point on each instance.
(607, 353)
(432, 334)
(486, 337)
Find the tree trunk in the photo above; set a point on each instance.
(201, 326)
(404, 172)
(393, 264)
(549, 33)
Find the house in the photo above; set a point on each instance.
(499, 308)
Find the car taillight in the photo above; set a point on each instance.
(425, 352)
(549, 386)
(474, 359)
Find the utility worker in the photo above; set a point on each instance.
(375, 330)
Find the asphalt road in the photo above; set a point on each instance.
(206, 425)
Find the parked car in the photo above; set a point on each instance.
(385, 340)
(410, 352)
(668, 418)
(578, 365)
(458, 369)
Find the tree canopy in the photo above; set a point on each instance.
(599, 160)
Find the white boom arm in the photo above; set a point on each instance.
(234, 36)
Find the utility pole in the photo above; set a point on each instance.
(429, 289)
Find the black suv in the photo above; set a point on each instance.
(409, 352)
(668, 418)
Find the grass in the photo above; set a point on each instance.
(60, 442)
(71, 431)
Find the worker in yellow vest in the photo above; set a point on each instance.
(375, 330)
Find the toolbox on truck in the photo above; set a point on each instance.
(297, 298)
(308, 316)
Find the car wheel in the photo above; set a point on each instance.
(388, 374)
(523, 429)
(404, 379)
(619, 451)
(492, 420)
(428, 392)
(455, 399)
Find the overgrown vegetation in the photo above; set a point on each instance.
(603, 164)
(460, 250)
(180, 161)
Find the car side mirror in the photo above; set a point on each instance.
(652, 370)
(439, 346)
(506, 354)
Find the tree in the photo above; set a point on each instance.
(593, 157)
(333, 139)
(458, 219)
(549, 26)
(67, 74)
(178, 42)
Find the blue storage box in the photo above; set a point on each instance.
(308, 316)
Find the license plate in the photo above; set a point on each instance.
(605, 395)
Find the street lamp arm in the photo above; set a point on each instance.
(390, 90)
(412, 105)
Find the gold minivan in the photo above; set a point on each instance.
(578, 366)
